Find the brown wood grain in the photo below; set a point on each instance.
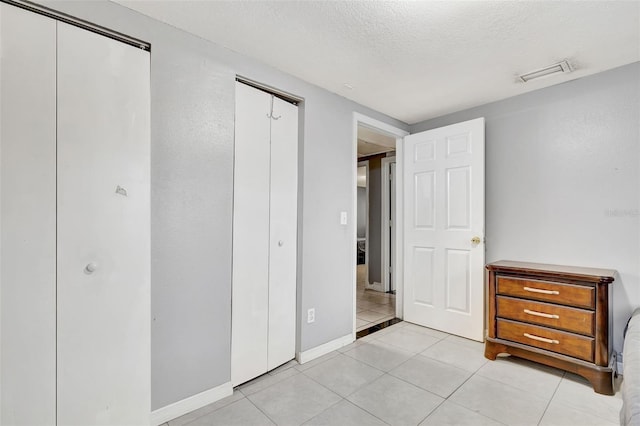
(603, 348)
(570, 344)
(575, 320)
(491, 323)
(582, 296)
(593, 275)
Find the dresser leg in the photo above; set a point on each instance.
(601, 381)
(491, 350)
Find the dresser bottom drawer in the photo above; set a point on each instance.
(545, 338)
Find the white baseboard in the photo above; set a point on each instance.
(187, 405)
(324, 349)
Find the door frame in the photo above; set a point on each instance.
(386, 218)
(398, 134)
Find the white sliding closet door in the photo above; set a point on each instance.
(27, 218)
(264, 234)
(74, 225)
(103, 231)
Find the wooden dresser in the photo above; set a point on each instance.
(554, 315)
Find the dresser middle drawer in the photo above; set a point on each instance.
(562, 317)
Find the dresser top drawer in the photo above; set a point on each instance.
(547, 291)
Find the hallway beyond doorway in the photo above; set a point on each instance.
(372, 307)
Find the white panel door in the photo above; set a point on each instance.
(283, 233)
(250, 294)
(27, 218)
(443, 213)
(103, 231)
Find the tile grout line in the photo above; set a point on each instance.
(364, 409)
(567, 404)
(552, 396)
(208, 412)
(473, 374)
(416, 353)
(433, 411)
(408, 383)
(476, 412)
(342, 398)
(259, 409)
(419, 387)
(366, 363)
(345, 398)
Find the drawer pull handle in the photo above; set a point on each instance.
(539, 290)
(541, 339)
(541, 314)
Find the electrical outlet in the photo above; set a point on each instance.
(311, 315)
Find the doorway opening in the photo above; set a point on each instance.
(377, 291)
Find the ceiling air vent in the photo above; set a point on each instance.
(560, 67)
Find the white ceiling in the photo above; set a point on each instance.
(416, 60)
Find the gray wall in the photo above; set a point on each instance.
(375, 220)
(192, 95)
(562, 178)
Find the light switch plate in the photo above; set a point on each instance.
(343, 218)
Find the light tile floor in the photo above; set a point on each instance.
(410, 375)
(372, 307)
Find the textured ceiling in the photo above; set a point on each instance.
(416, 60)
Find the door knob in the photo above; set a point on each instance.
(280, 243)
(90, 268)
(475, 240)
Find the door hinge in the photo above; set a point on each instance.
(390, 224)
(390, 267)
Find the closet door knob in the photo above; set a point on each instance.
(280, 243)
(90, 268)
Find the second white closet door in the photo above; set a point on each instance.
(264, 234)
